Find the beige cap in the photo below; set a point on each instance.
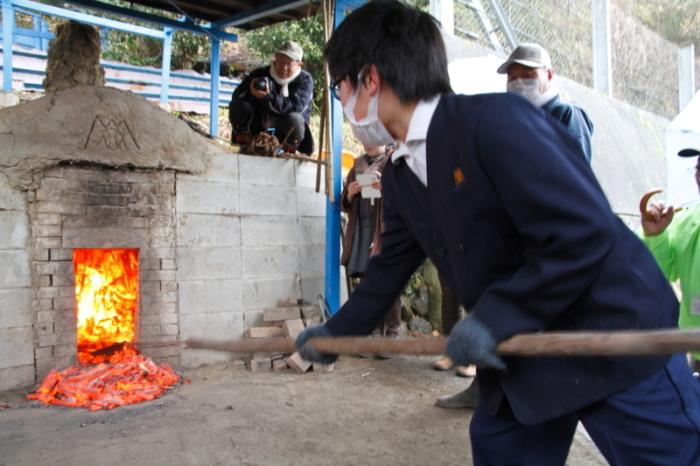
(530, 55)
(292, 49)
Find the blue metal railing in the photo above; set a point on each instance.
(10, 32)
(39, 35)
(224, 93)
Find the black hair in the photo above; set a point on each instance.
(404, 44)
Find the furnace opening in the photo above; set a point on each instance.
(107, 295)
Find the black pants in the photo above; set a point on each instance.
(654, 422)
(289, 129)
(451, 313)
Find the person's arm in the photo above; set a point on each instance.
(385, 277)
(345, 201)
(657, 233)
(299, 99)
(242, 91)
(554, 203)
(578, 123)
(661, 248)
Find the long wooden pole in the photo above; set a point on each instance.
(622, 343)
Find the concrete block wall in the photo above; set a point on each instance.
(16, 333)
(250, 233)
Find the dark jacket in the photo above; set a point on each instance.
(518, 226)
(575, 119)
(301, 91)
(352, 208)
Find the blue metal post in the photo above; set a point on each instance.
(36, 26)
(332, 269)
(332, 264)
(44, 43)
(104, 38)
(214, 102)
(8, 23)
(165, 67)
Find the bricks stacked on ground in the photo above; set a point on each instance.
(100, 208)
(273, 320)
(295, 361)
(283, 322)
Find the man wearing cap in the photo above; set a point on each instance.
(276, 99)
(674, 240)
(530, 74)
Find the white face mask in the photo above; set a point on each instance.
(370, 131)
(530, 89)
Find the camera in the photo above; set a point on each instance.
(261, 84)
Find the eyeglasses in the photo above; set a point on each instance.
(335, 87)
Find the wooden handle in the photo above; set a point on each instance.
(622, 343)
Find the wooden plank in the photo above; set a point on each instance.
(280, 313)
(266, 332)
(296, 362)
(294, 327)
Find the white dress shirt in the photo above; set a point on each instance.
(413, 150)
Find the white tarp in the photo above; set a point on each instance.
(683, 133)
(476, 75)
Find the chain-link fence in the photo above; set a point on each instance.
(644, 65)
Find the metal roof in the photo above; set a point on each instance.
(243, 14)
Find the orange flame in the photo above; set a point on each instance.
(107, 291)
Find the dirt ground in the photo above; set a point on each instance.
(365, 412)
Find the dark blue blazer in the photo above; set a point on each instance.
(517, 224)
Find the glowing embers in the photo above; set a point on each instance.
(112, 372)
(107, 385)
(106, 292)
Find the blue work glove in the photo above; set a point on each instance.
(471, 342)
(312, 354)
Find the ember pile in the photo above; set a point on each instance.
(111, 373)
(134, 378)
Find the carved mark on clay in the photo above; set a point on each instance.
(113, 135)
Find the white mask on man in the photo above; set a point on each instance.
(530, 89)
(370, 131)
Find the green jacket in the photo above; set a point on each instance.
(677, 250)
